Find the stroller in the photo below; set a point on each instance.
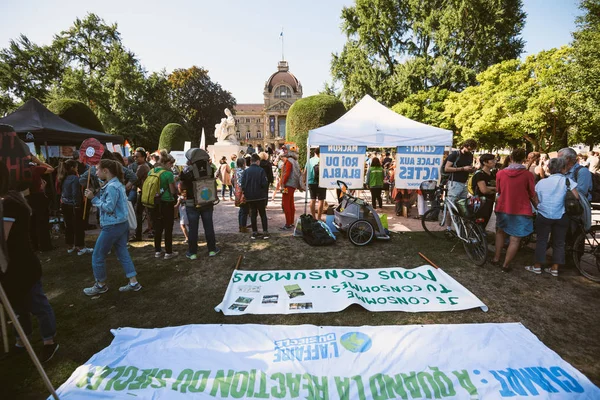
(358, 218)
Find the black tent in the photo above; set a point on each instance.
(49, 128)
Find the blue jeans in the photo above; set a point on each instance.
(223, 189)
(194, 214)
(112, 235)
(243, 215)
(38, 305)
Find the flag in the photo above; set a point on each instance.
(281, 34)
(202, 140)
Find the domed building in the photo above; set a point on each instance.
(264, 123)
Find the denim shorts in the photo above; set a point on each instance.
(514, 225)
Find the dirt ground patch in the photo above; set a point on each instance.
(562, 312)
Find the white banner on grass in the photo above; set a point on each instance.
(471, 361)
(329, 290)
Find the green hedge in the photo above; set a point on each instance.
(310, 113)
(77, 113)
(172, 137)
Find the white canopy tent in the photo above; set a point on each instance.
(370, 123)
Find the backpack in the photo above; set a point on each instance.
(204, 184)
(316, 173)
(471, 184)
(315, 233)
(572, 205)
(151, 189)
(595, 189)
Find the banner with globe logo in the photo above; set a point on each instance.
(470, 361)
(422, 289)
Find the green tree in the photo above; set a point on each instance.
(585, 81)
(516, 101)
(396, 48)
(199, 100)
(172, 137)
(310, 113)
(76, 112)
(426, 106)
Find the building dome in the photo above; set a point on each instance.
(283, 76)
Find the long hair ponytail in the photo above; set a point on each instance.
(113, 167)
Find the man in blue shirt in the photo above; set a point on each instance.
(576, 172)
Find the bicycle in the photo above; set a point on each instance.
(463, 228)
(586, 253)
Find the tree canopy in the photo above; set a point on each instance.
(397, 48)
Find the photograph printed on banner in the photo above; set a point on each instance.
(294, 290)
(270, 299)
(244, 300)
(238, 307)
(301, 306)
(248, 289)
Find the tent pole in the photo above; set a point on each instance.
(307, 167)
(26, 342)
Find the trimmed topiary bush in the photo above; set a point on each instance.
(77, 113)
(310, 113)
(172, 137)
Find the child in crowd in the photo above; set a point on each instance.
(183, 219)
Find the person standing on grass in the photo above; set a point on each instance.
(516, 192)
(375, 181)
(484, 186)
(312, 179)
(183, 219)
(39, 203)
(255, 186)
(193, 212)
(22, 279)
(111, 202)
(72, 207)
(163, 213)
(142, 168)
(240, 200)
(551, 217)
(290, 181)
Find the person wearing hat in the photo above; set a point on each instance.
(290, 181)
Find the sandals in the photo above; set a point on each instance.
(532, 268)
(553, 272)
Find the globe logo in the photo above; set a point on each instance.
(356, 342)
(205, 194)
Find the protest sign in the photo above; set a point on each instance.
(415, 164)
(469, 361)
(344, 163)
(15, 154)
(330, 290)
(110, 147)
(67, 151)
(179, 157)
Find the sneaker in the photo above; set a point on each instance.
(130, 288)
(95, 290)
(266, 235)
(158, 254)
(553, 272)
(48, 352)
(192, 256)
(254, 235)
(532, 268)
(84, 251)
(174, 254)
(214, 253)
(285, 228)
(72, 250)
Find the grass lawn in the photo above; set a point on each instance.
(564, 313)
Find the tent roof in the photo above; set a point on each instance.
(48, 127)
(371, 124)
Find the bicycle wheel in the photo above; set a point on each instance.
(432, 222)
(586, 253)
(476, 244)
(361, 232)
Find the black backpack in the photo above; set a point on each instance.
(314, 233)
(316, 173)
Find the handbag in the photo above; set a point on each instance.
(131, 217)
(572, 205)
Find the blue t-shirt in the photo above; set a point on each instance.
(310, 170)
(551, 194)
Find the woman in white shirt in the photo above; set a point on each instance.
(551, 217)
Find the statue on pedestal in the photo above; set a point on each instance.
(225, 130)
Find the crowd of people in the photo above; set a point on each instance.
(528, 193)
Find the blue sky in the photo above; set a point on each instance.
(238, 41)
